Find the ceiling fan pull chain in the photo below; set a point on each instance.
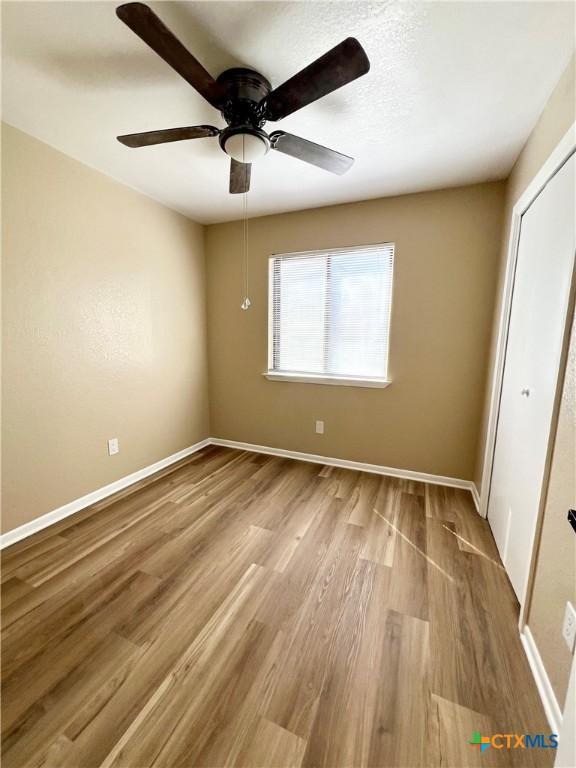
(246, 303)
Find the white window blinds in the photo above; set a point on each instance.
(329, 312)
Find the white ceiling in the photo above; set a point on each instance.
(454, 91)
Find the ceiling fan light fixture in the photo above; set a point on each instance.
(245, 146)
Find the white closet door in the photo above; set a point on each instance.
(538, 316)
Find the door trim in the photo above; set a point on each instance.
(565, 148)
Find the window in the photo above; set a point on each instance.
(329, 315)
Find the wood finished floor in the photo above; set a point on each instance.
(247, 610)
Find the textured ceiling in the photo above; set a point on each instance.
(454, 91)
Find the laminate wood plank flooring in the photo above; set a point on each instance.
(248, 610)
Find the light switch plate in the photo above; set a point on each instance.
(569, 626)
(319, 427)
(113, 446)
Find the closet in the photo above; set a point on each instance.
(538, 320)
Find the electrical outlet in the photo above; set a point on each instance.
(113, 446)
(569, 626)
(319, 427)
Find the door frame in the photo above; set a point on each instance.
(564, 149)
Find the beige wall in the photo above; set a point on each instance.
(555, 575)
(447, 250)
(103, 333)
(557, 117)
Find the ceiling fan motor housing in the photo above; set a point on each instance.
(245, 91)
(244, 111)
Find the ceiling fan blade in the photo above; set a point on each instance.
(143, 21)
(169, 134)
(239, 177)
(344, 63)
(316, 154)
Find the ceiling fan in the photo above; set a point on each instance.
(246, 100)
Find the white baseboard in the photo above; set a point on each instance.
(547, 695)
(23, 531)
(475, 496)
(377, 469)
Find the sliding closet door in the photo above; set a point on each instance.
(538, 319)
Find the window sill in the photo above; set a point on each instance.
(343, 381)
